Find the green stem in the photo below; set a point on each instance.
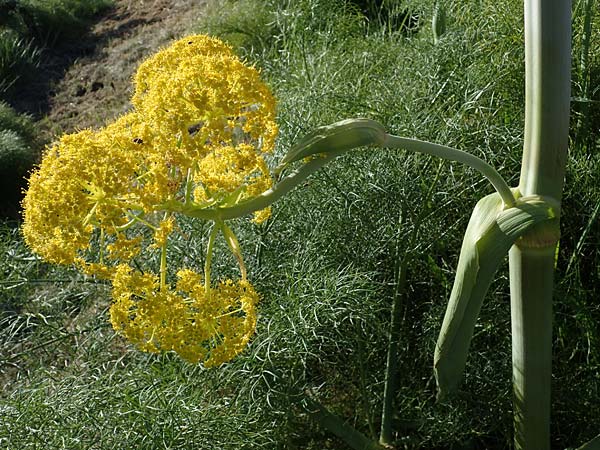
(353, 438)
(292, 180)
(547, 96)
(547, 88)
(188, 187)
(235, 248)
(101, 245)
(163, 266)
(531, 272)
(594, 444)
(138, 218)
(266, 198)
(453, 154)
(209, 253)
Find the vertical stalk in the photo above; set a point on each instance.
(531, 272)
(391, 372)
(547, 101)
(163, 266)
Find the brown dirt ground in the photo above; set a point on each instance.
(95, 86)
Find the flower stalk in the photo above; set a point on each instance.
(209, 253)
(317, 154)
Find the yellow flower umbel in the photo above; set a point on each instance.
(80, 197)
(213, 121)
(210, 327)
(202, 124)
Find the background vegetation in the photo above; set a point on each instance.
(327, 263)
(28, 29)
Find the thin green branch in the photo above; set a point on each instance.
(263, 200)
(163, 266)
(315, 161)
(353, 438)
(391, 369)
(234, 246)
(453, 154)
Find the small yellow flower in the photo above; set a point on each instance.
(161, 234)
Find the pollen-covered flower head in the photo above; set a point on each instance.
(83, 187)
(202, 125)
(211, 114)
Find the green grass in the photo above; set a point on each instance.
(21, 124)
(326, 263)
(18, 57)
(27, 27)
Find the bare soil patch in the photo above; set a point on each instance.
(96, 86)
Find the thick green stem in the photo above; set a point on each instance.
(547, 77)
(319, 160)
(531, 272)
(547, 96)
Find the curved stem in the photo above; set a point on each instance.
(266, 198)
(453, 154)
(317, 161)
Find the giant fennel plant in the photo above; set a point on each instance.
(195, 144)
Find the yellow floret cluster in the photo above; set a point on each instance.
(210, 327)
(201, 127)
(217, 141)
